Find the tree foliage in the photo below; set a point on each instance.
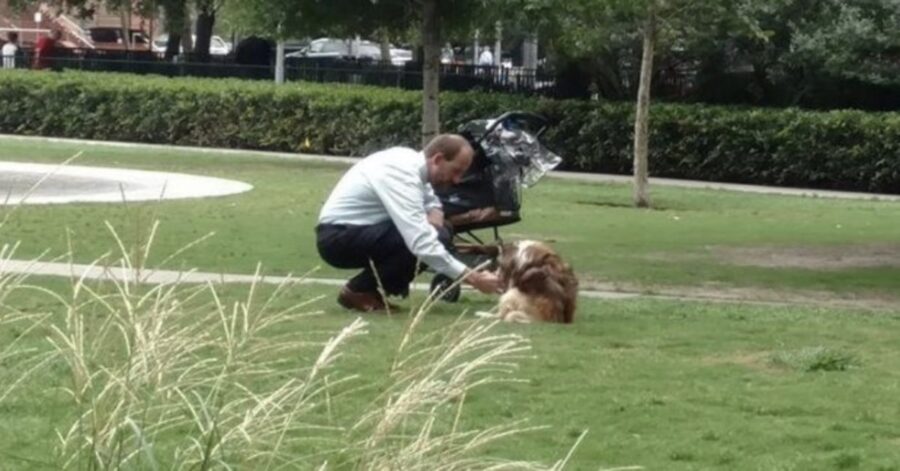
(284, 19)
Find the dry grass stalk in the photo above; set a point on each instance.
(171, 375)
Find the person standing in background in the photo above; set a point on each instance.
(486, 59)
(10, 50)
(45, 50)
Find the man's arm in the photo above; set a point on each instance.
(404, 197)
(434, 207)
(436, 218)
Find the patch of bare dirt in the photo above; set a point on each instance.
(839, 257)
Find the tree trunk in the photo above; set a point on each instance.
(498, 43)
(187, 39)
(385, 40)
(173, 45)
(530, 52)
(279, 62)
(355, 47)
(125, 17)
(642, 116)
(206, 19)
(431, 45)
(173, 13)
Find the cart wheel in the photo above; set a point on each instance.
(441, 283)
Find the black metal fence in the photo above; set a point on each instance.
(457, 77)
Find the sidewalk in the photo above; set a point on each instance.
(93, 272)
(601, 291)
(576, 176)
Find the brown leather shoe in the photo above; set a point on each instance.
(363, 302)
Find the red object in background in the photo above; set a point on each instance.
(43, 50)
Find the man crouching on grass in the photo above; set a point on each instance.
(384, 212)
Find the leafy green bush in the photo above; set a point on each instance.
(848, 150)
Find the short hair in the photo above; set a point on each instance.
(450, 145)
(12, 36)
(56, 34)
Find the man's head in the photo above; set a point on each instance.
(12, 37)
(448, 157)
(55, 34)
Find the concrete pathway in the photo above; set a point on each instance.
(31, 183)
(577, 176)
(92, 272)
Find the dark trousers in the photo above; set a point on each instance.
(381, 245)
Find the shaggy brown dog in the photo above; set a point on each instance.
(539, 285)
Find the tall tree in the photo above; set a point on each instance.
(435, 18)
(432, 19)
(664, 23)
(641, 195)
(601, 26)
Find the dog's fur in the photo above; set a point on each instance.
(538, 285)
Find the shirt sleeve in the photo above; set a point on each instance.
(404, 197)
(431, 199)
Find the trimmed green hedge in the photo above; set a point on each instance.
(841, 150)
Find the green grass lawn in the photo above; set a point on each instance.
(660, 384)
(697, 238)
(664, 385)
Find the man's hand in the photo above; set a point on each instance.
(436, 218)
(484, 281)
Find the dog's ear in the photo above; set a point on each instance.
(533, 279)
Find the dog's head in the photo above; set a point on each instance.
(516, 256)
(529, 261)
(533, 267)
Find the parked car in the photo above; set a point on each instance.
(217, 45)
(400, 56)
(294, 45)
(332, 48)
